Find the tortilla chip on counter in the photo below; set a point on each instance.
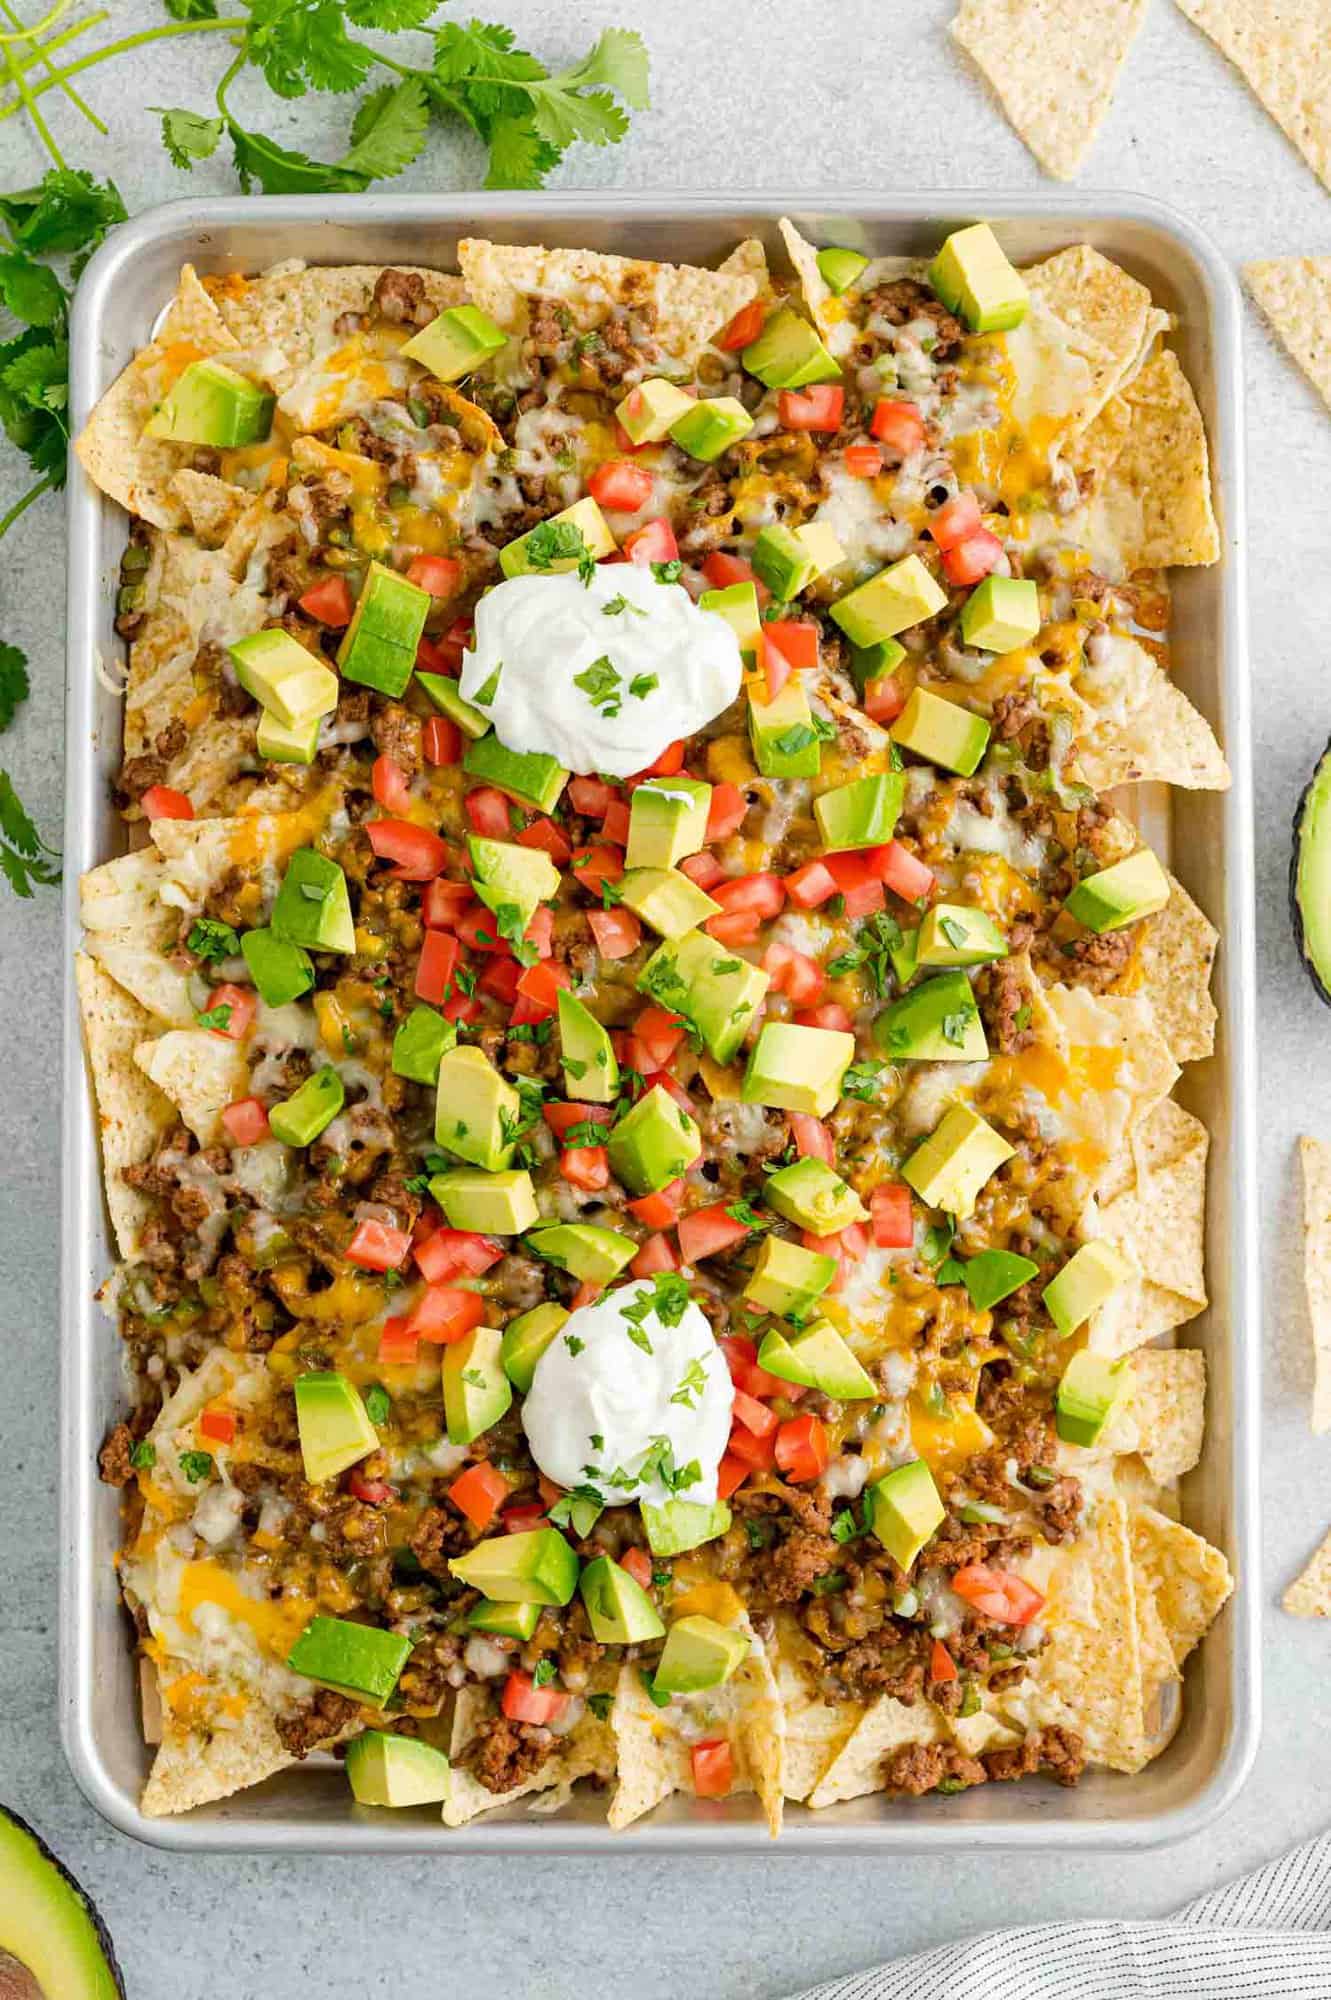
(1282, 49)
(1316, 1159)
(1153, 503)
(132, 1114)
(1309, 1596)
(1148, 729)
(1053, 65)
(1294, 293)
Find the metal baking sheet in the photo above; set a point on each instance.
(122, 291)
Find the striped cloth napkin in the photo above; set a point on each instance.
(1265, 1937)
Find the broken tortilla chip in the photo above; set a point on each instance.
(587, 1751)
(1177, 953)
(1316, 1160)
(1100, 302)
(295, 306)
(1281, 47)
(1295, 295)
(1191, 1579)
(1159, 1224)
(816, 1730)
(132, 1114)
(1309, 1596)
(1148, 729)
(1163, 1415)
(1053, 65)
(886, 1725)
(1153, 503)
(200, 1072)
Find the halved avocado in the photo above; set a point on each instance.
(48, 1926)
(1310, 877)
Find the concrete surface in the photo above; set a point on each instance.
(851, 92)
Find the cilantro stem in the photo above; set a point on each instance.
(228, 25)
(42, 54)
(48, 20)
(21, 506)
(34, 58)
(29, 102)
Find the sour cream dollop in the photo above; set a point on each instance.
(569, 656)
(599, 1401)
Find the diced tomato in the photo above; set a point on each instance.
(998, 1593)
(541, 930)
(246, 1121)
(755, 1416)
(488, 810)
(862, 461)
(670, 760)
(742, 1361)
(812, 1139)
(704, 869)
(436, 966)
(559, 1117)
(725, 811)
(801, 1448)
(864, 900)
(445, 1313)
(242, 1002)
(522, 1519)
(757, 1453)
(660, 1033)
(730, 1474)
(656, 1254)
(479, 1492)
(883, 699)
(441, 741)
(672, 1087)
(615, 826)
(743, 329)
(551, 839)
(827, 1015)
(374, 1492)
(942, 1666)
(797, 639)
(620, 486)
(897, 425)
(440, 575)
(721, 570)
(736, 927)
(329, 601)
(444, 903)
(586, 1294)
(811, 885)
(455, 1253)
(794, 973)
(890, 1213)
(219, 1425)
(902, 872)
(971, 561)
(539, 985)
(439, 656)
(713, 1767)
(855, 879)
(639, 1566)
(420, 855)
(462, 1008)
(377, 1247)
(955, 521)
(591, 797)
(617, 932)
(594, 865)
(654, 542)
(659, 1210)
(478, 929)
(755, 895)
(398, 1345)
(818, 408)
(388, 781)
(163, 802)
(500, 978)
(776, 667)
(523, 1701)
(705, 1232)
(586, 1167)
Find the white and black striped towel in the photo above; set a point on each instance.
(1265, 1937)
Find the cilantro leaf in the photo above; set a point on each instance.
(188, 136)
(34, 390)
(519, 157)
(192, 10)
(22, 849)
(67, 211)
(391, 16)
(388, 130)
(31, 292)
(13, 682)
(301, 45)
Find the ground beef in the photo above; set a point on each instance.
(507, 1753)
(889, 1661)
(789, 1569)
(578, 1651)
(114, 1460)
(520, 1282)
(399, 296)
(1098, 962)
(904, 300)
(1001, 995)
(1011, 714)
(1056, 1750)
(139, 774)
(1061, 1509)
(397, 734)
(921, 1767)
(437, 1536)
(353, 705)
(327, 1715)
(390, 1188)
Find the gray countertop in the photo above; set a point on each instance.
(860, 93)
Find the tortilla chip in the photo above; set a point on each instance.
(886, 1725)
(748, 260)
(1281, 47)
(1175, 962)
(1053, 65)
(1309, 1596)
(1153, 504)
(294, 306)
(200, 1072)
(132, 1114)
(1316, 1160)
(1118, 1063)
(1295, 295)
(199, 1761)
(213, 505)
(196, 854)
(191, 598)
(1159, 1668)
(982, 1731)
(1159, 1224)
(1101, 302)
(129, 931)
(587, 1751)
(1191, 1579)
(816, 1730)
(1147, 727)
(1167, 1409)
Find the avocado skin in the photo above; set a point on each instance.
(29, 1852)
(1317, 790)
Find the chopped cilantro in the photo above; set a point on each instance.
(600, 1705)
(691, 1385)
(618, 605)
(196, 1465)
(601, 684)
(668, 572)
(861, 1079)
(378, 1404)
(559, 541)
(827, 1586)
(211, 940)
(215, 1017)
(573, 1344)
(143, 1456)
(642, 684)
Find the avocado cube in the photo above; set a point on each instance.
(385, 1769)
(526, 1339)
(509, 1621)
(943, 731)
(456, 343)
(818, 539)
(679, 1525)
(535, 1567)
(313, 908)
(477, 1111)
(798, 1069)
(300, 1118)
(973, 278)
(839, 268)
(777, 1355)
(444, 694)
(862, 813)
(698, 1653)
(871, 663)
(1091, 1387)
(667, 820)
(419, 1045)
(738, 605)
(524, 557)
(654, 1143)
(902, 595)
(904, 957)
(809, 1194)
(359, 1661)
(787, 1279)
(666, 900)
(788, 353)
(1091, 1275)
(825, 1360)
(511, 877)
(948, 1169)
(904, 1510)
(1001, 614)
(529, 776)
(710, 426)
(290, 681)
(378, 648)
(619, 1610)
(782, 562)
(213, 404)
(785, 742)
(334, 1426)
(502, 1204)
(287, 743)
(993, 1275)
(1120, 895)
(937, 1021)
(476, 1390)
(280, 970)
(955, 934)
(591, 1072)
(717, 992)
(648, 411)
(586, 1252)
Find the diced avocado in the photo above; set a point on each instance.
(502, 1204)
(291, 682)
(798, 1069)
(839, 268)
(456, 343)
(390, 1770)
(648, 411)
(1134, 888)
(955, 934)
(444, 694)
(313, 908)
(526, 1339)
(785, 742)
(903, 595)
(993, 1275)
(213, 404)
(360, 1661)
(905, 957)
(591, 1072)
(714, 989)
(619, 1610)
(787, 1279)
(809, 1194)
(782, 562)
(511, 877)
(937, 1021)
(862, 813)
(667, 820)
(1001, 614)
(777, 1355)
(819, 540)
(510, 1621)
(698, 1653)
(710, 426)
(379, 646)
(679, 1525)
(280, 970)
(788, 354)
(529, 776)
(1091, 1386)
(419, 1044)
(477, 1111)
(476, 1390)
(948, 1169)
(738, 605)
(825, 1362)
(535, 1567)
(904, 1509)
(286, 743)
(943, 731)
(1091, 1275)
(666, 900)
(870, 663)
(972, 277)
(654, 1143)
(334, 1425)
(515, 558)
(299, 1119)
(585, 1251)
